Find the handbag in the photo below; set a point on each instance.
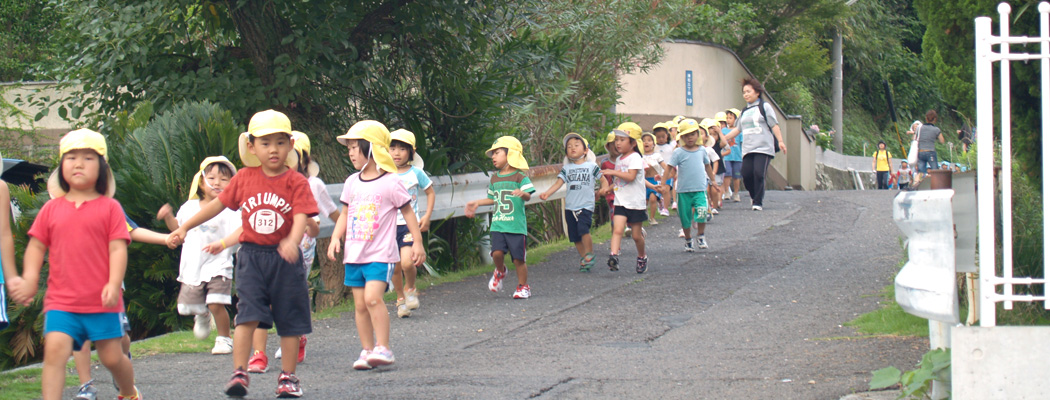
(913, 152)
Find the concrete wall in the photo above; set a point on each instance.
(51, 127)
(660, 94)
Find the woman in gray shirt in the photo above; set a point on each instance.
(928, 135)
(757, 140)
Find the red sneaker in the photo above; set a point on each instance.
(238, 384)
(258, 363)
(302, 348)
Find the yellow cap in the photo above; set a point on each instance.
(632, 128)
(302, 146)
(720, 116)
(265, 123)
(376, 134)
(677, 119)
(204, 164)
(687, 126)
(660, 125)
(587, 153)
(513, 146)
(735, 112)
(611, 137)
(406, 136)
(80, 139)
(633, 134)
(707, 123)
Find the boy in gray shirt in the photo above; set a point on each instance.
(580, 172)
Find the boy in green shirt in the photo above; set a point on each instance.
(509, 189)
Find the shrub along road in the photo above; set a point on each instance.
(757, 316)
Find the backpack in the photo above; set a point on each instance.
(762, 109)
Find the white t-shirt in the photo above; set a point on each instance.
(666, 150)
(630, 194)
(712, 154)
(196, 266)
(325, 205)
(654, 160)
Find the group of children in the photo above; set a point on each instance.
(268, 214)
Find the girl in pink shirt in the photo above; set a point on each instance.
(368, 222)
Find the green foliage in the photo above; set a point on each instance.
(917, 383)
(27, 45)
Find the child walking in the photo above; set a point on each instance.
(509, 189)
(629, 202)
(664, 132)
(274, 202)
(206, 264)
(82, 230)
(694, 178)
(580, 173)
(9, 278)
(371, 197)
(655, 194)
(609, 163)
(410, 171)
(734, 160)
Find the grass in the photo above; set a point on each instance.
(25, 383)
(890, 320)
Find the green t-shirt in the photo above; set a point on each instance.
(508, 214)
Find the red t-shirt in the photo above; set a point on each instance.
(77, 240)
(268, 203)
(609, 165)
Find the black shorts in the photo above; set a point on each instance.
(271, 290)
(509, 243)
(633, 216)
(579, 222)
(404, 236)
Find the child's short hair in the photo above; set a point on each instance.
(224, 170)
(411, 151)
(288, 135)
(101, 185)
(364, 146)
(302, 168)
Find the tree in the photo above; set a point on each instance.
(25, 53)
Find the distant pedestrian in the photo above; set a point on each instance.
(880, 163)
(509, 189)
(903, 176)
(734, 161)
(665, 144)
(696, 175)
(629, 187)
(373, 197)
(655, 194)
(581, 174)
(717, 148)
(761, 140)
(927, 135)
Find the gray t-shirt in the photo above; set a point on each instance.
(928, 137)
(756, 136)
(579, 181)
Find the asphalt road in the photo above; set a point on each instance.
(757, 316)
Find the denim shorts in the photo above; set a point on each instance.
(926, 160)
(733, 169)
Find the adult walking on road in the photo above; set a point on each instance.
(927, 134)
(761, 140)
(880, 163)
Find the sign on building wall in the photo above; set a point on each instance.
(688, 88)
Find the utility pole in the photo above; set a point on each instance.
(836, 91)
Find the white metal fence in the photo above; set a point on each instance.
(995, 288)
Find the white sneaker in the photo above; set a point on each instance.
(736, 197)
(756, 208)
(701, 243)
(496, 282)
(202, 326)
(674, 205)
(277, 354)
(223, 345)
(402, 309)
(681, 233)
(411, 299)
(362, 362)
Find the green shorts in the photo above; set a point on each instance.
(692, 207)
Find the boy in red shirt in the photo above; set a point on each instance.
(274, 201)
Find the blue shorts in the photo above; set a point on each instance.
(733, 169)
(83, 327)
(357, 274)
(650, 192)
(579, 223)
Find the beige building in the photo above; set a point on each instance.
(697, 80)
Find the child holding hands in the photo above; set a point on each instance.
(580, 172)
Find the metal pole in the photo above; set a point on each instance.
(836, 91)
(985, 178)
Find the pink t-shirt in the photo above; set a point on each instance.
(371, 218)
(77, 241)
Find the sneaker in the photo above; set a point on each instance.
(302, 349)
(689, 246)
(681, 233)
(496, 282)
(627, 231)
(223, 345)
(411, 299)
(136, 396)
(522, 292)
(614, 262)
(701, 243)
(652, 222)
(663, 211)
(277, 354)
(736, 197)
(643, 265)
(674, 205)
(380, 356)
(756, 208)
(288, 386)
(402, 309)
(87, 391)
(258, 363)
(362, 362)
(587, 262)
(714, 211)
(238, 384)
(202, 326)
